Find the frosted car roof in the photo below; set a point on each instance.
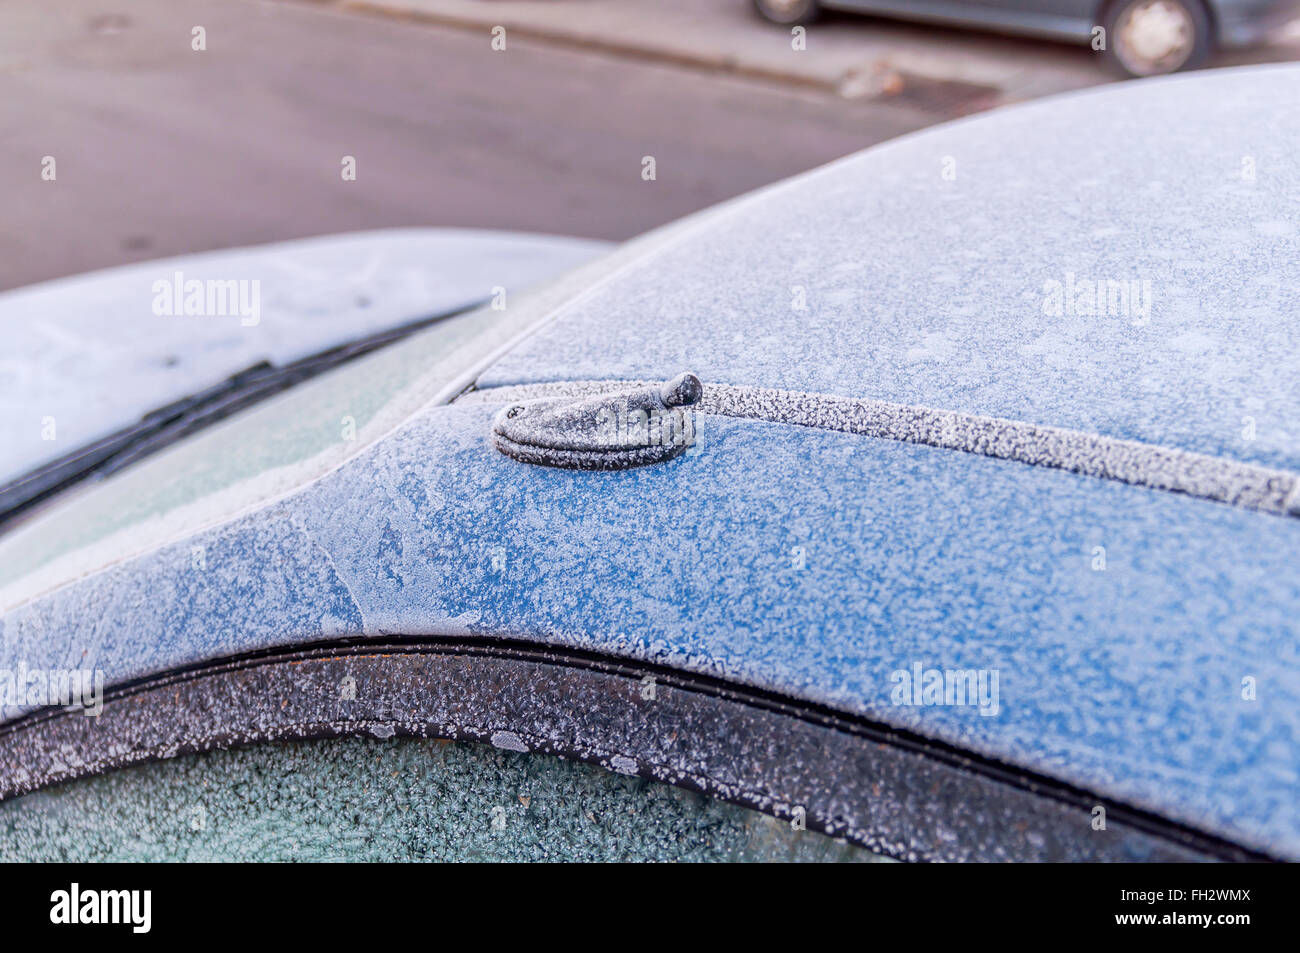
(929, 270)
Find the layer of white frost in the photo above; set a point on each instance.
(88, 355)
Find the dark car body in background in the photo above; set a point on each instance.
(1237, 22)
(1206, 24)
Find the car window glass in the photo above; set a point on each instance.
(364, 799)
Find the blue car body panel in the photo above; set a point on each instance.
(1127, 679)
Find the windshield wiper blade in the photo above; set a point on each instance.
(164, 426)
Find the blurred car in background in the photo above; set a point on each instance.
(1142, 37)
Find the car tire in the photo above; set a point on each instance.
(1135, 46)
(788, 12)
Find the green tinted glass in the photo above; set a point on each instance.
(399, 799)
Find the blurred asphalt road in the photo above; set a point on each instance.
(953, 69)
(161, 150)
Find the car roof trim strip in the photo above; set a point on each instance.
(1221, 480)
